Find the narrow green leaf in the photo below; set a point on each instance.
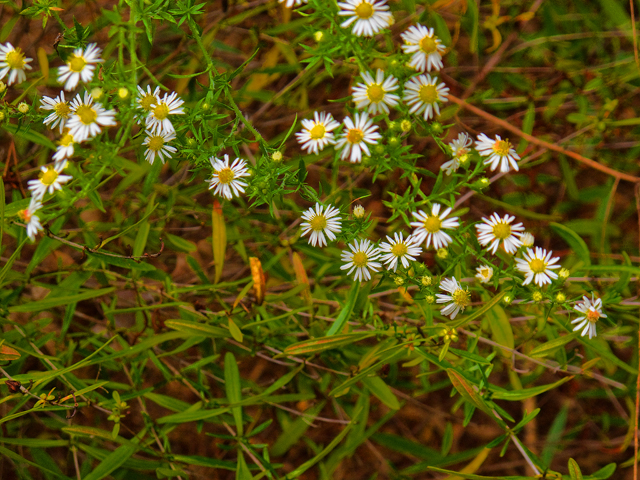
(20, 460)
(49, 303)
(338, 325)
(197, 329)
(574, 240)
(574, 470)
(242, 472)
(235, 331)
(113, 461)
(516, 395)
(293, 431)
(320, 344)
(233, 388)
(381, 390)
(545, 349)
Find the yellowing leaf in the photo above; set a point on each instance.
(8, 354)
(301, 277)
(258, 279)
(218, 239)
(44, 62)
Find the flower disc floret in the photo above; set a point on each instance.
(367, 16)
(14, 62)
(374, 94)
(592, 312)
(399, 250)
(495, 230)
(226, 179)
(361, 258)
(425, 48)
(430, 227)
(537, 266)
(457, 300)
(321, 221)
(356, 136)
(316, 134)
(499, 153)
(484, 273)
(80, 66)
(423, 95)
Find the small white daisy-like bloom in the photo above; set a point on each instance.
(13, 61)
(61, 111)
(146, 99)
(527, 239)
(484, 273)
(370, 16)
(460, 150)
(292, 3)
(423, 94)
(321, 221)
(227, 179)
(361, 258)
(157, 146)
(495, 230)
(498, 152)
(158, 118)
(88, 117)
(458, 298)
(425, 46)
(592, 310)
(430, 226)
(31, 219)
(50, 179)
(316, 134)
(80, 66)
(355, 137)
(65, 147)
(399, 250)
(537, 266)
(374, 93)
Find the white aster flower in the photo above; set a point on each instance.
(355, 137)
(423, 94)
(88, 117)
(31, 219)
(375, 93)
(146, 100)
(592, 310)
(292, 3)
(50, 179)
(226, 179)
(495, 230)
(61, 111)
(425, 46)
(429, 226)
(158, 118)
(65, 147)
(80, 66)
(499, 152)
(459, 299)
(399, 250)
(361, 258)
(538, 266)
(321, 223)
(370, 16)
(157, 146)
(485, 272)
(527, 239)
(316, 134)
(460, 150)
(13, 61)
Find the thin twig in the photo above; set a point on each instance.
(635, 428)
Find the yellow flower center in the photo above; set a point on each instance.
(502, 147)
(87, 114)
(15, 59)
(355, 135)
(593, 316)
(360, 259)
(62, 110)
(428, 94)
(485, 272)
(318, 223)
(375, 93)
(48, 177)
(146, 101)
(226, 175)
(501, 230)
(77, 63)
(317, 132)
(432, 224)
(460, 297)
(428, 45)
(537, 266)
(364, 10)
(25, 215)
(399, 249)
(66, 140)
(161, 111)
(155, 143)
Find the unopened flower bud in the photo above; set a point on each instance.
(3, 87)
(430, 299)
(436, 128)
(394, 141)
(564, 273)
(527, 239)
(507, 299)
(23, 108)
(561, 297)
(276, 157)
(537, 296)
(405, 126)
(443, 253)
(426, 280)
(97, 93)
(318, 36)
(359, 212)
(123, 93)
(399, 281)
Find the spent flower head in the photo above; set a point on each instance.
(484, 273)
(527, 239)
(321, 221)
(32, 222)
(460, 151)
(592, 311)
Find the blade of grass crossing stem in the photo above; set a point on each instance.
(232, 385)
(340, 322)
(113, 461)
(143, 230)
(218, 239)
